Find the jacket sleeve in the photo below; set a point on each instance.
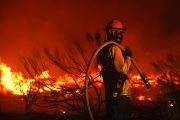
(120, 63)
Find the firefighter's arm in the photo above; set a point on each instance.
(120, 64)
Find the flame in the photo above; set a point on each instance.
(9, 80)
(43, 75)
(137, 82)
(143, 98)
(15, 82)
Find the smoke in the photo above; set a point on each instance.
(152, 26)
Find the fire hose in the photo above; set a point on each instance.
(143, 77)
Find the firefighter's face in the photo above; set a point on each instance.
(115, 35)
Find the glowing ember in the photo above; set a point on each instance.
(150, 99)
(141, 98)
(137, 77)
(64, 112)
(171, 105)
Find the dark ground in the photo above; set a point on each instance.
(18, 116)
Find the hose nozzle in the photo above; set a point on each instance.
(145, 80)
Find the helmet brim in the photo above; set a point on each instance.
(107, 28)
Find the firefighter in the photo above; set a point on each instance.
(115, 65)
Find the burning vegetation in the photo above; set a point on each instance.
(42, 91)
(65, 94)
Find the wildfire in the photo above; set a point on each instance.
(9, 80)
(16, 83)
(137, 82)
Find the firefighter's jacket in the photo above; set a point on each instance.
(115, 59)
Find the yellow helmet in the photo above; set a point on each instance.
(115, 24)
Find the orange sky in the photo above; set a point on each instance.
(153, 27)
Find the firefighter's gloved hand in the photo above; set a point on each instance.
(127, 52)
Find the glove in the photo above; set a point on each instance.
(127, 52)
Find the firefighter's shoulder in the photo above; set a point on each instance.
(115, 48)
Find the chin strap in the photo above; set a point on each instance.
(89, 67)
